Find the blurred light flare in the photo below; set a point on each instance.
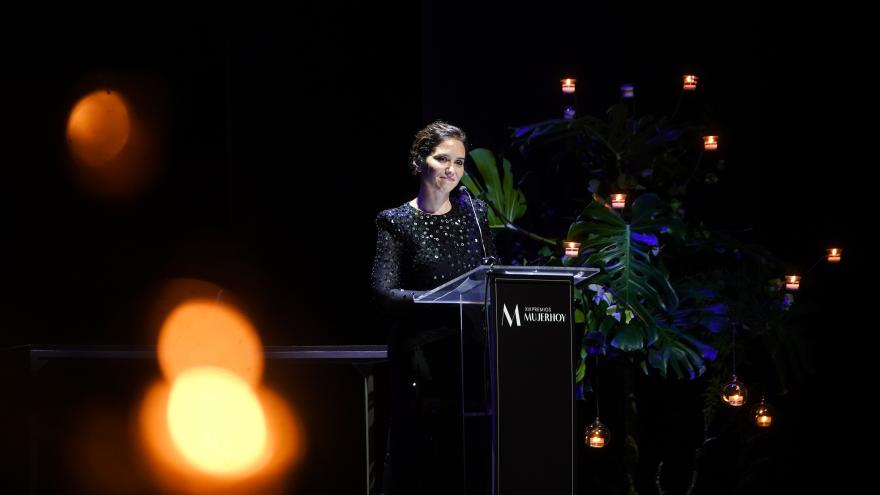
(98, 127)
(202, 332)
(210, 427)
(216, 421)
(114, 147)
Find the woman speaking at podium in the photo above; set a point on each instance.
(440, 234)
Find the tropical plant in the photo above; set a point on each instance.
(669, 291)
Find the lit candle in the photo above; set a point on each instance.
(792, 282)
(764, 420)
(834, 255)
(572, 248)
(618, 200)
(597, 442)
(690, 82)
(627, 90)
(568, 86)
(735, 400)
(710, 143)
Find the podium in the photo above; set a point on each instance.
(532, 356)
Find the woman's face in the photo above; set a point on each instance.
(444, 167)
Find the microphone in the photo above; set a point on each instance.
(487, 260)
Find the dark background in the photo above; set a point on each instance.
(285, 130)
(280, 134)
(284, 134)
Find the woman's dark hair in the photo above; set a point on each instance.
(428, 138)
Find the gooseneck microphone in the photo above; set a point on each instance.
(487, 260)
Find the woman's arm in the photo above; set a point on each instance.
(387, 267)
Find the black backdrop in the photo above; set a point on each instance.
(280, 131)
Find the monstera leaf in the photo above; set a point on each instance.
(624, 252)
(557, 129)
(701, 307)
(630, 149)
(619, 132)
(682, 354)
(508, 203)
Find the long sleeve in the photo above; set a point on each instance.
(387, 264)
(417, 251)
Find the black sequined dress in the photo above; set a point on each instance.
(415, 252)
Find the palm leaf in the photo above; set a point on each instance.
(499, 191)
(622, 250)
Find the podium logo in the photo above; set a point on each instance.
(506, 315)
(535, 314)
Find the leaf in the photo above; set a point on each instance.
(681, 353)
(657, 361)
(505, 199)
(665, 136)
(488, 168)
(625, 261)
(629, 338)
(591, 322)
(514, 199)
(607, 324)
(599, 212)
(471, 184)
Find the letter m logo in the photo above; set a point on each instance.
(506, 316)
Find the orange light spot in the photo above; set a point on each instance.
(115, 142)
(216, 421)
(173, 470)
(98, 128)
(202, 332)
(211, 428)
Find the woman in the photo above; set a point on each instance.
(421, 244)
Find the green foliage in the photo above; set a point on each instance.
(500, 192)
(668, 293)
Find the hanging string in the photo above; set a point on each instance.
(815, 264)
(596, 385)
(734, 349)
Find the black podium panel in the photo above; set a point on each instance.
(534, 354)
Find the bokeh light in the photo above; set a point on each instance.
(204, 332)
(216, 421)
(98, 127)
